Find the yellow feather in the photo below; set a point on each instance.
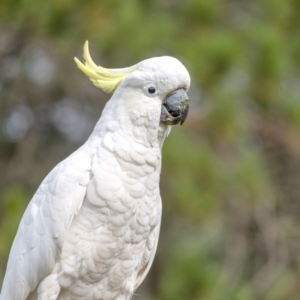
(103, 78)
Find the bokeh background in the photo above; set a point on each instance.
(231, 175)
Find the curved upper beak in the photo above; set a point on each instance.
(175, 108)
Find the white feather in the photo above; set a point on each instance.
(91, 230)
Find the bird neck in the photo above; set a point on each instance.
(137, 124)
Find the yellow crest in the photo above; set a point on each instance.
(106, 79)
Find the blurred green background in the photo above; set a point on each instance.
(231, 175)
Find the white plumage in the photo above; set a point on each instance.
(91, 230)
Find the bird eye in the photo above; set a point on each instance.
(150, 90)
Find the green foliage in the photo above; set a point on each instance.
(13, 204)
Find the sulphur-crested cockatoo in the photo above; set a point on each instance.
(91, 230)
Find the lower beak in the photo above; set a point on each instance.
(175, 108)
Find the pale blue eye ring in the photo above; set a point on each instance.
(150, 90)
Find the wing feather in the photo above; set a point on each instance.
(41, 232)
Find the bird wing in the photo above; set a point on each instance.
(41, 232)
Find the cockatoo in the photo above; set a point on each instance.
(91, 230)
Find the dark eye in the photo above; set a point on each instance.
(150, 90)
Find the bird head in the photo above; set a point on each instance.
(159, 82)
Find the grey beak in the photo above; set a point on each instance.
(175, 108)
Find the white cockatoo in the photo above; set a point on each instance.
(91, 230)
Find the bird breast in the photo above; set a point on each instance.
(112, 236)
